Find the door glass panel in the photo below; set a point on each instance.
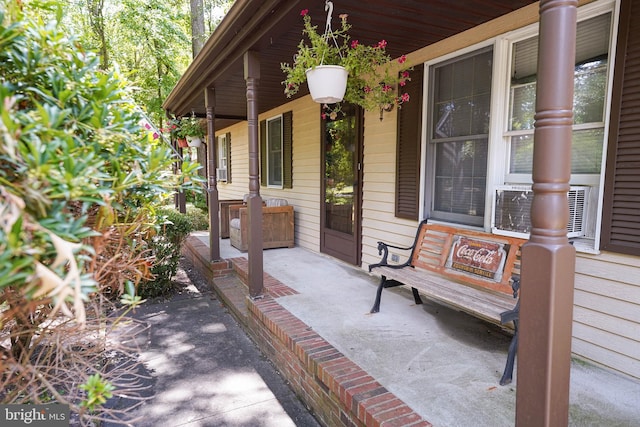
(340, 172)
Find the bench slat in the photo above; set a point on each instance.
(478, 302)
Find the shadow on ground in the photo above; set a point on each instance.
(205, 371)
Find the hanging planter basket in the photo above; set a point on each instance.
(327, 83)
(194, 141)
(182, 143)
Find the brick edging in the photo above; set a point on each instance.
(338, 391)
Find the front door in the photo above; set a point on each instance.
(341, 196)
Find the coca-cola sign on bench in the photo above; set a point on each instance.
(477, 257)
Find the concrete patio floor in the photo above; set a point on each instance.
(443, 364)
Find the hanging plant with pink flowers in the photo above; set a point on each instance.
(374, 80)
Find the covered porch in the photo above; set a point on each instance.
(407, 365)
(237, 78)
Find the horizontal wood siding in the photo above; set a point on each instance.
(304, 194)
(606, 326)
(379, 177)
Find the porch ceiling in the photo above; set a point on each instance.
(273, 28)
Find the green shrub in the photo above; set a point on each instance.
(71, 149)
(79, 182)
(198, 197)
(166, 246)
(199, 218)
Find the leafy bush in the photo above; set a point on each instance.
(79, 183)
(166, 245)
(197, 197)
(199, 218)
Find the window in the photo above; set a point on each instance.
(274, 152)
(458, 137)
(480, 107)
(222, 170)
(590, 81)
(589, 107)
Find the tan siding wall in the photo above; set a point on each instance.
(305, 194)
(378, 200)
(239, 164)
(606, 326)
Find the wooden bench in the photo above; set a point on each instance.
(468, 270)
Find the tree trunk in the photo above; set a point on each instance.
(197, 26)
(96, 20)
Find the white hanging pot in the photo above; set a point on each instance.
(194, 141)
(327, 83)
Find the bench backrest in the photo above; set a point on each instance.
(468, 256)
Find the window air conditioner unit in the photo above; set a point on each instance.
(512, 208)
(221, 174)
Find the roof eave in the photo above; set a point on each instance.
(237, 33)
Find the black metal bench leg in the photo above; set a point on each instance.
(376, 304)
(507, 376)
(416, 296)
(384, 283)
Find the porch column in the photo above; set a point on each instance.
(212, 187)
(548, 260)
(254, 204)
(180, 197)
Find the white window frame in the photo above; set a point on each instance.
(499, 147)
(269, 156)
(222, 157)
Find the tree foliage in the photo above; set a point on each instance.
(149, 41)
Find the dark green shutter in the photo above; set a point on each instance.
(408, 149)
(287, 149)
(228, 141)
(263, 153)
(620, 219)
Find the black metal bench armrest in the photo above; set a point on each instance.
(383, 249)
(510, 315)
(515, 285)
